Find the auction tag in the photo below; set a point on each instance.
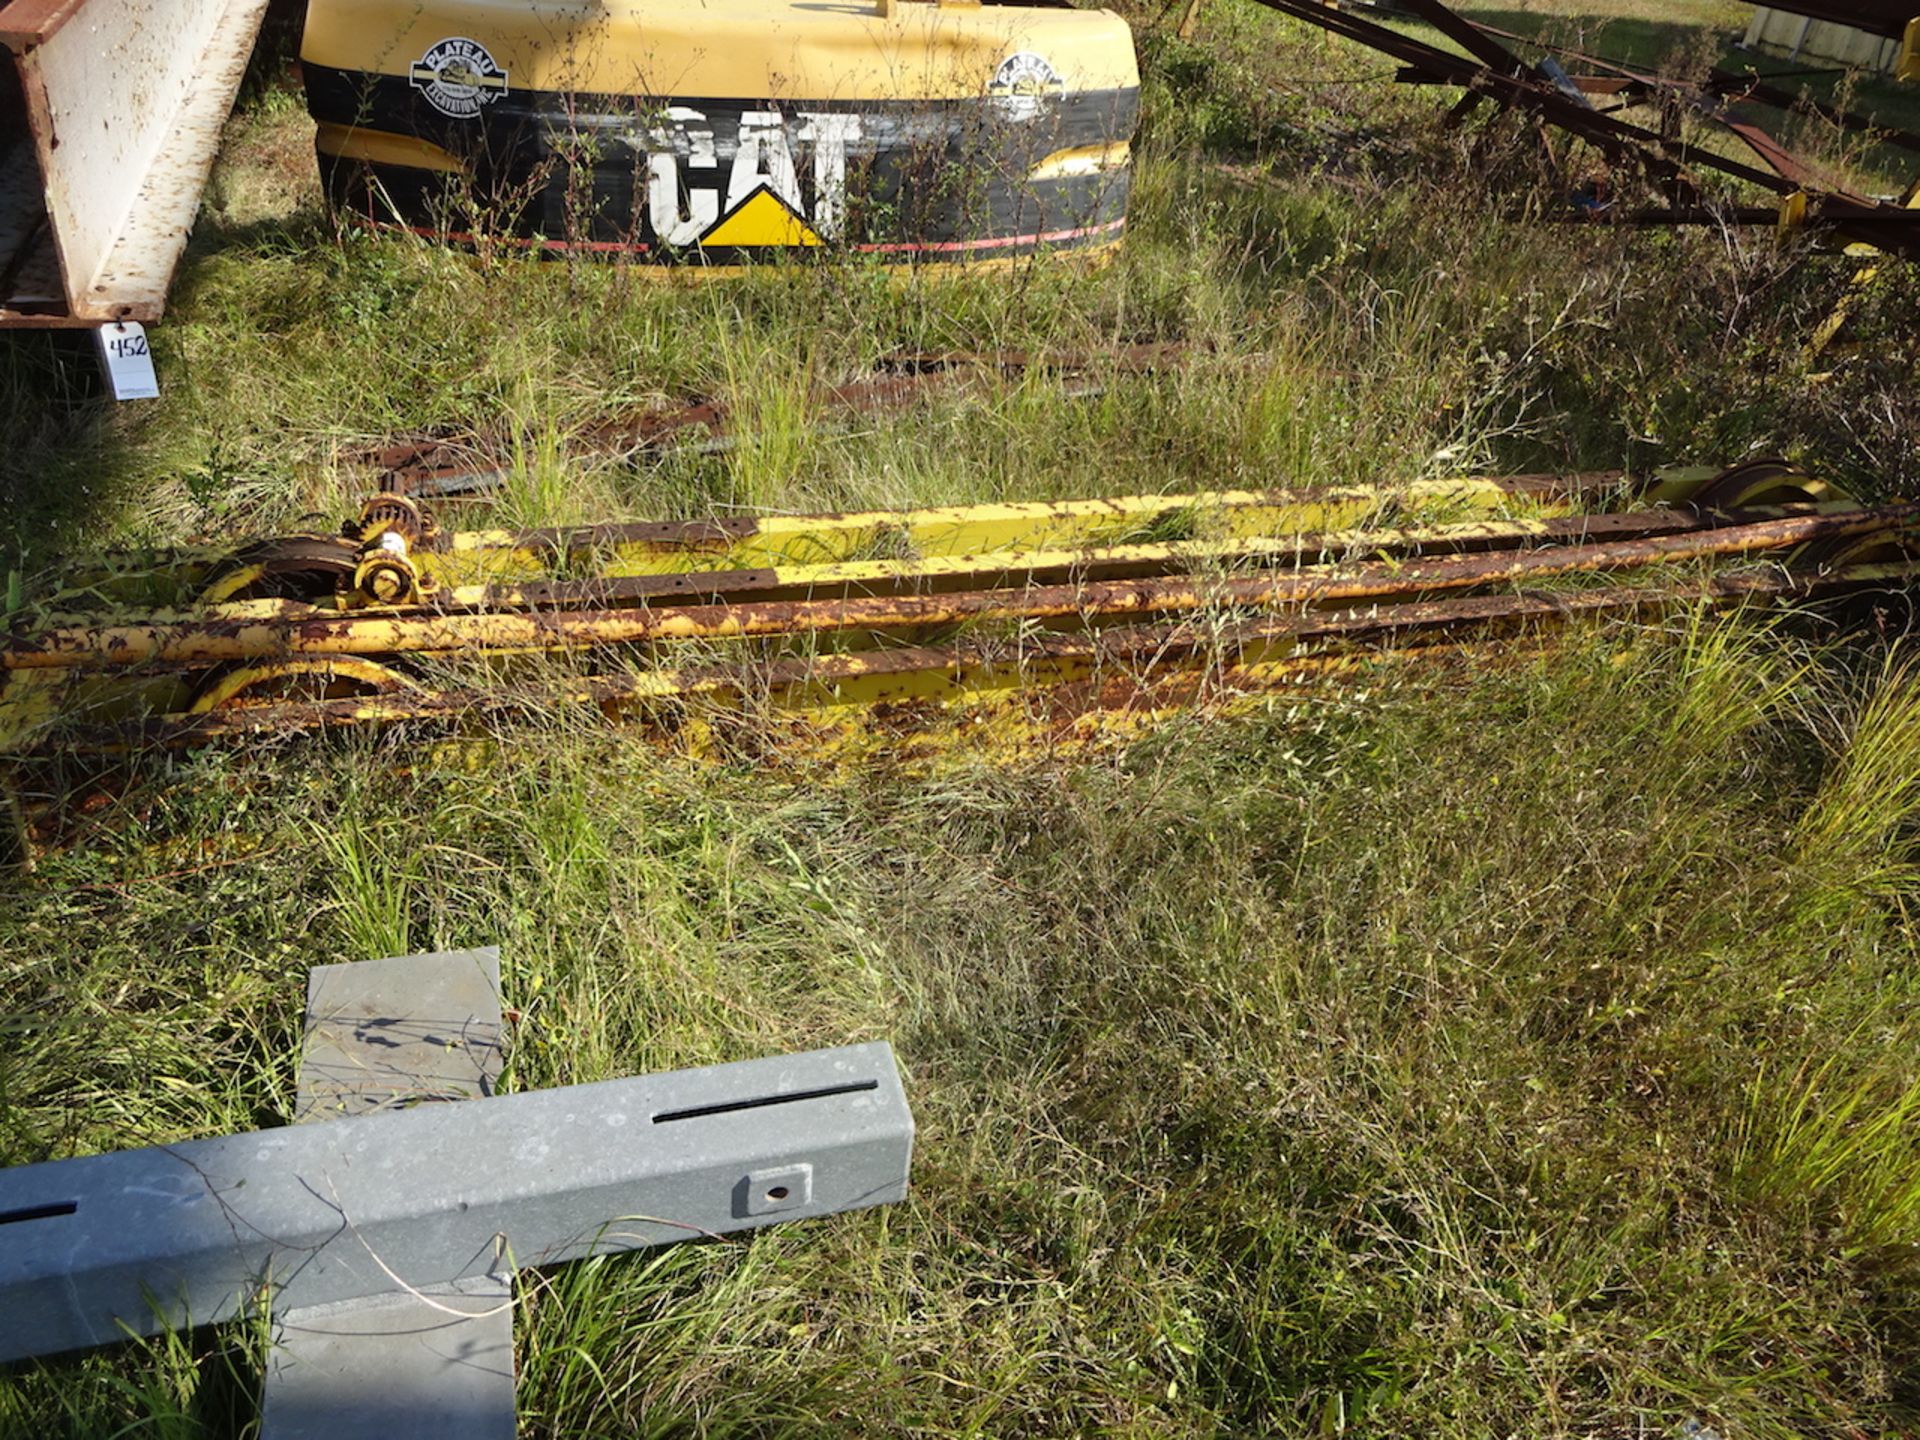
(127, 360)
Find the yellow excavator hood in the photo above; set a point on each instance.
(729, 129)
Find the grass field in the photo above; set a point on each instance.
(1516, 1049)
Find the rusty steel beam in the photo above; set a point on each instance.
(1049, 565)
(1627, 83)
(208, 642)
(1722, 87)
(1066, 678)
(1475, 40)
(1511, 86)
(1741, 89)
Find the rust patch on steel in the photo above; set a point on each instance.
(205, 641)
(1136, 667)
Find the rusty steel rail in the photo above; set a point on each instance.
(448, 464)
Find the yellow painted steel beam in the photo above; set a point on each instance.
(946, 573)
(258, 653)
(1010, 695)
(482, 556)
(211, 642)
(992, 569)
(175, 576)
(456, 561)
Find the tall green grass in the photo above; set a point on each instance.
(1508, 1046)
(1465, 1056)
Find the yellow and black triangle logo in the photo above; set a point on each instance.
(763, 218)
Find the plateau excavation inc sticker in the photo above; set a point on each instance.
(458, 77)
(1023, 81)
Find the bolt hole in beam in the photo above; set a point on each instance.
(775, 1190)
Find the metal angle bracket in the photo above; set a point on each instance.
(138, 1241)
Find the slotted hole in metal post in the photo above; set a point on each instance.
(39, 1212)
(728, 1107)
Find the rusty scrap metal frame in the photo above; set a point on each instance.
(186, 642)
(1617, 81)
(1492, 71)
(1153, 665)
